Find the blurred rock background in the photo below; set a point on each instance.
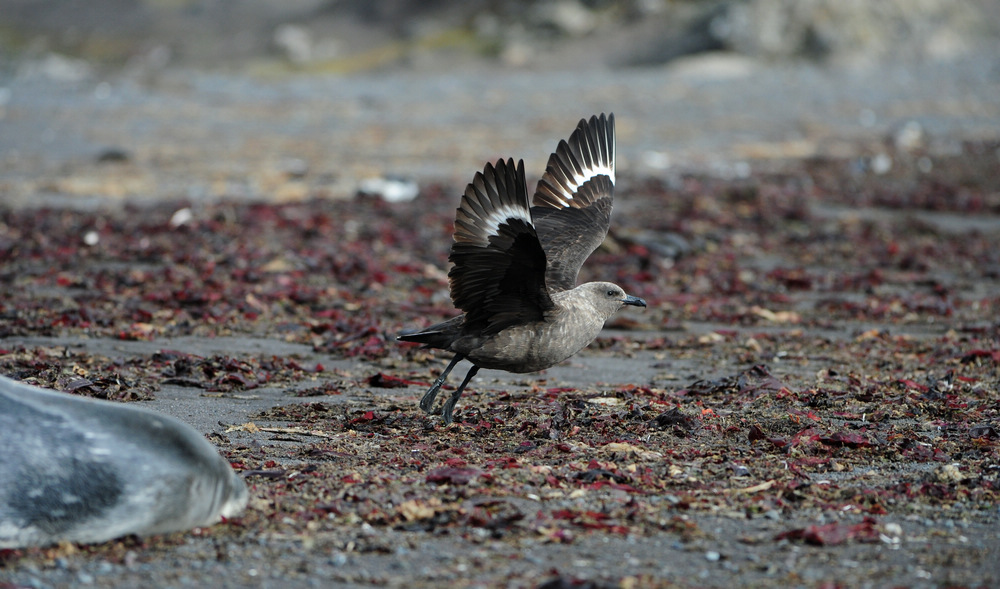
(129, 100)
(69, 37)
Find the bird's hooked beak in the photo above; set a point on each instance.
(634, 301)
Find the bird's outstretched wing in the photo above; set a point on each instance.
(572, 203)
(498, 277)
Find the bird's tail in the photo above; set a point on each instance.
(419, 336)
(440, 336)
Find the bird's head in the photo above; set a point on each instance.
(608, 298)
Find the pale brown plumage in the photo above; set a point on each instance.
(516, 265)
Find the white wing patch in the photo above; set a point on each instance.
(501, 215)
(575, 181)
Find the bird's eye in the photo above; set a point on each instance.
(612, 293)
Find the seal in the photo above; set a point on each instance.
(83, 470)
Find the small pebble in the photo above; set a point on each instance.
(390, 189)
(893, 530)
(181, 217)
(881, 164)
(910, 136)
(113, 155)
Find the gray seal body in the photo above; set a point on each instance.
(82, 470)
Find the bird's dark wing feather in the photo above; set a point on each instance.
(498, 277)
(572, 203)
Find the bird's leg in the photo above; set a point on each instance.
(449, 405)
(427, 401)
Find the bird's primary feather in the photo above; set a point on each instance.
(498, 277)
(572, 203)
